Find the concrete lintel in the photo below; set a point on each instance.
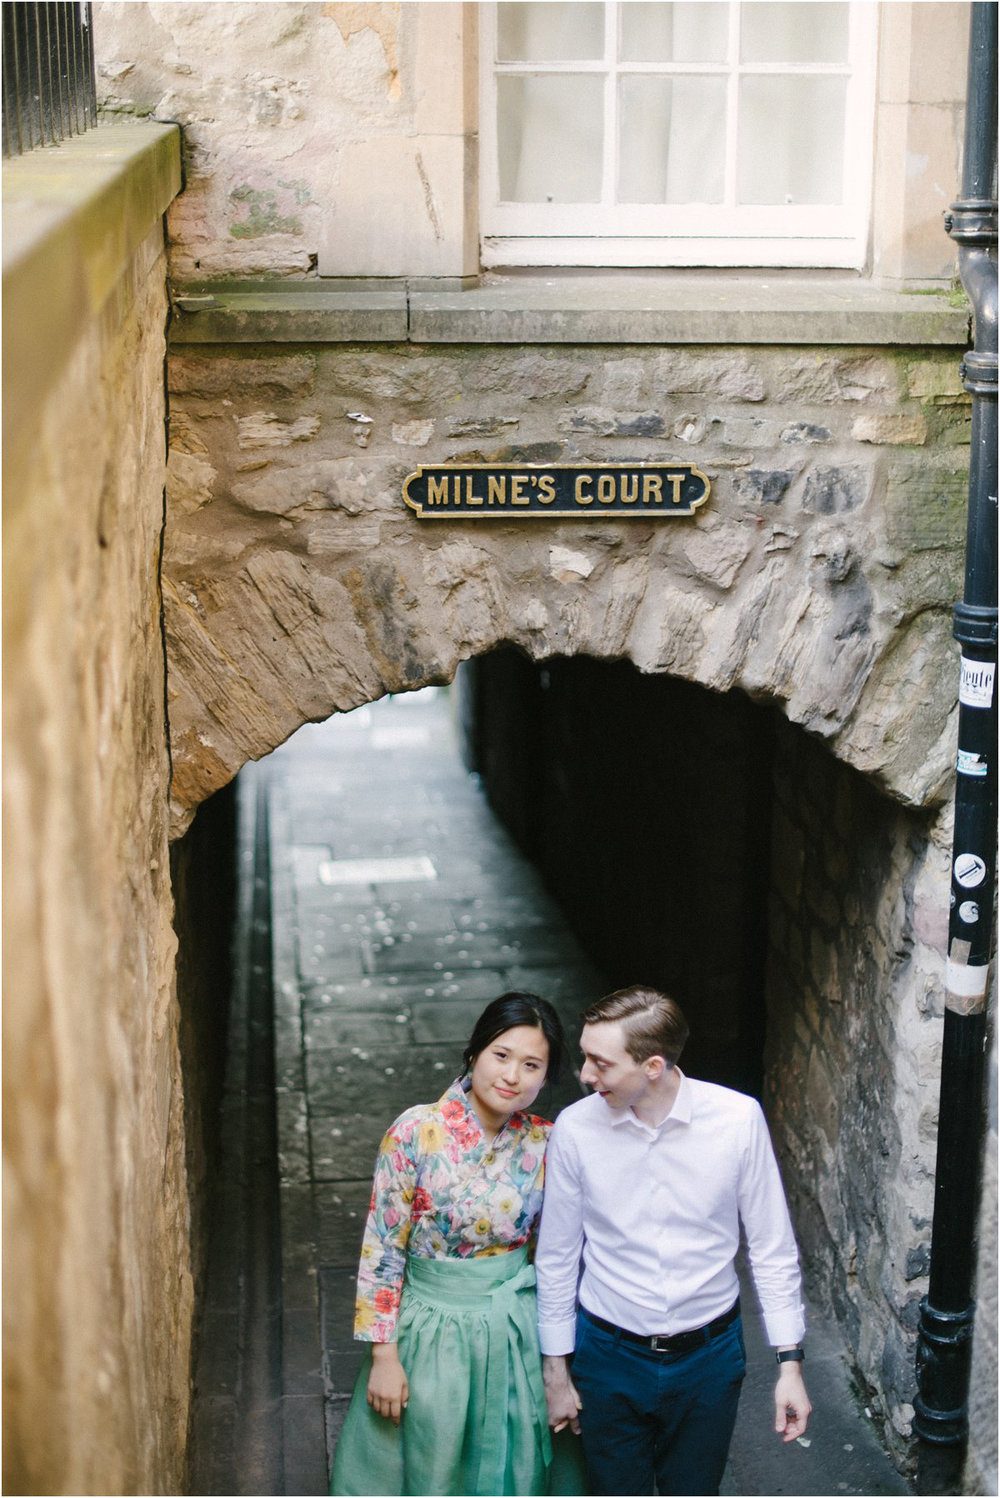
(687, 308)
(661, 308)
(300, 312)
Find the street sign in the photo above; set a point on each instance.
(509, 491)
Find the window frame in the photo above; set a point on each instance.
(806, 235)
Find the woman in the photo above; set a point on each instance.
(450, 1399)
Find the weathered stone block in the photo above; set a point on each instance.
(899, 429)
(194, 374)
(805, 432)
(732, 375)
(762, 486)
(835, 491)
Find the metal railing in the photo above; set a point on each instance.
(49, 83)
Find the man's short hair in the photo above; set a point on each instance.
(653, 1024)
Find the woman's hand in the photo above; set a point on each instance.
(564, 1403)
(388, 1390)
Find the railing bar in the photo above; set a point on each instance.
(73, 126)
(11, 92)
(88, 22)
(47, 74)
(34, 61)
(75, 18)
(65, 83)
(49, 126)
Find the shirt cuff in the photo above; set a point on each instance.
(785, 1328)
(557, 1339)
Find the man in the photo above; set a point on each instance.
(648, 1181)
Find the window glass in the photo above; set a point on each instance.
(791, 135)
(546, 31)
(670, 149)
(688, 31)
(782, 31)
(550, 135)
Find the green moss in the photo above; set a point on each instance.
(262, 216)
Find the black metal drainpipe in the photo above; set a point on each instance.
(946, 1314)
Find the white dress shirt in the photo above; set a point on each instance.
(656, 1213)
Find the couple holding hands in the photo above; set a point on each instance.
(554, 1308)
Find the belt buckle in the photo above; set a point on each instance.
(659, 1344)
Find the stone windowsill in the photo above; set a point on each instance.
(675, 307)
(74, 216)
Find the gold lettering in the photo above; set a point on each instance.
(437, 490)
(629, 488)
(470, 498)
(606, 489)
(652, 485)
(581, 498)
(517, 483)
(675, 480)
(496, 490)
(546, 489)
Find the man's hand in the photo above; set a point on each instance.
(791, 1403)
(564, 1403)
(388, 1390)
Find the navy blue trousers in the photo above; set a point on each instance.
(656, 1417)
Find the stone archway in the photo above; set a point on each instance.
(818, 581)
(296, 582)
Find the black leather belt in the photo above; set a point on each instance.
(680, 1342)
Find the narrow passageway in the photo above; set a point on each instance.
(399, 908)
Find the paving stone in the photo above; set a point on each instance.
(212, 1440)
(304, 1444)
(299, 1246)
(351, 1027)
(359, 1083)
(341, 1211)
(218, 1354)
(293, 1136)
(301, 1354)
(432, 954)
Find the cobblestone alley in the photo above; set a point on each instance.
(399, 908)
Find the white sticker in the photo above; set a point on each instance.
(975, 687)
(970, 870)
(968, 912)
(970, 763)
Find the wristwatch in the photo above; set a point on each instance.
(791, 1355)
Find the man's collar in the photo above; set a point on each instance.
(680, 1113)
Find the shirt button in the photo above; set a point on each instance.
(489, 1158)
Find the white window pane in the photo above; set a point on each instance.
(546, 31)
(687, 31)
(672, 140)
(781, 31)
(550, 133)
(791, 140)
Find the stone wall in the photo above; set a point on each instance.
(857, 931)
(97, 1289)
(343, 136)
(819, 575)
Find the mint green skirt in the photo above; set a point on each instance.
(476, 1421)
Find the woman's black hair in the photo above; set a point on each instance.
(512, 1009)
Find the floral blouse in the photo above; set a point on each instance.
(443, 1190)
